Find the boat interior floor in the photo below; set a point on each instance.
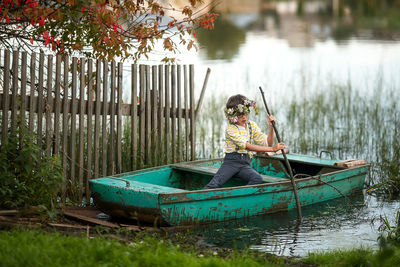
(212, 170)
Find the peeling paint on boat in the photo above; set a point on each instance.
(172, 194)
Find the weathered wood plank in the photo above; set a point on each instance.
(126, 108)
(173, 113)
(192, 115)
(6, 89)
(90, 220)
(81, 126)
(154, 115)
(104, 121)
(57, 105)
(96, 147)
(32, 90)
(179, 112)
(40, 100)
(119, 118)
(49, 102)
(134, 112)
(65, 129)
(89, 144)
(112, 120)
(14, 90)
(167, 115)
(160, 134)
(148, 118)
(73, 121)
(203, 90)
(142, 118)
(186, 100)
(23, 86)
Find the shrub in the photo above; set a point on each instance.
(28, 176)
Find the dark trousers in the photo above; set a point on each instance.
(235, 164)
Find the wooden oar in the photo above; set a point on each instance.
(285, 158)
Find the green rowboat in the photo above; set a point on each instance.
(173, 194)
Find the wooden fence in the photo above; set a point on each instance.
(76, 109)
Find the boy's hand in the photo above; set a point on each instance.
(271, 119)
(278, 147)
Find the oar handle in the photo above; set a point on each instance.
(285, 159)
(269, 113)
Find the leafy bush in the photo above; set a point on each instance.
(28, 177)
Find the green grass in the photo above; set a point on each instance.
(38, 248)
(355, 257)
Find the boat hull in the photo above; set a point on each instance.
(133, 196)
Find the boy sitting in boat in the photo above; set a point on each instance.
(242, 136)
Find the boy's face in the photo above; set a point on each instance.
(243, 119)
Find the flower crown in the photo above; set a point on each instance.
(233, 113)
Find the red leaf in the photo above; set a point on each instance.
(31, 41)
(8, 19)
(83, 9)
(41, 21)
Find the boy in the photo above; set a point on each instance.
(242, 136)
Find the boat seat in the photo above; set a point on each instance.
(212, 170)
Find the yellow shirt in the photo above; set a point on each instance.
(237, 136)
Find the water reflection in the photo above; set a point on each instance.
(223, 42)
(341, 223)
(300, 22)
(330, 73)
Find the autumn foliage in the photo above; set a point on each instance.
(101, 29)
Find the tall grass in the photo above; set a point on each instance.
(350, 122)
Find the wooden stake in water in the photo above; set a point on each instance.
(285, 158)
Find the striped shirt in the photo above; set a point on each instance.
(237, 136)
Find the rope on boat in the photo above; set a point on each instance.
(303, 175)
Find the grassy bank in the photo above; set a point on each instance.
(38, 248)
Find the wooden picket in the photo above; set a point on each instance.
(76, 110)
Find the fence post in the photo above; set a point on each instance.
(192, 114)
(40, 100)
(65, 128)
(104, 125)
(119, 118)
(112, 118)
(14, 89)
(6, 104)
(167, 115)
(81, 126)
(89, 174)
(97, 121)
(49, 104)
(73, 121)
(134, 114)
(57, 105)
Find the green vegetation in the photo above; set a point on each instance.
(338, 118)
(355, 257)
(389, 234)
(28, 176)
(37, 248)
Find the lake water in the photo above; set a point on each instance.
(297, 50)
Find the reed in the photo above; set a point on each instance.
(350, 122)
